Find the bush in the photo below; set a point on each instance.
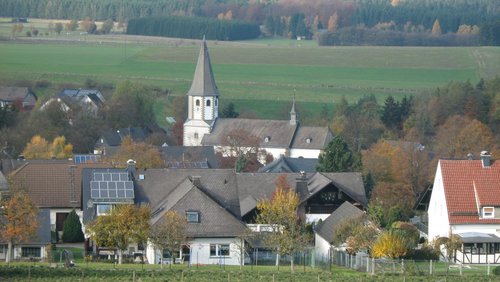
(72, 230)
(496, 270)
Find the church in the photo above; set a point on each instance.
(203, 127)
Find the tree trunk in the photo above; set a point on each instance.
(120, 256)
(9, 252)
(291, 263)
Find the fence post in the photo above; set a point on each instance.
(488, 268)
(367, 264)
(373, 266)
(430, 267)
(460, 269)
(402, 265)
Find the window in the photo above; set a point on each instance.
(208, 103)
(267, 139)
(2, 249)
(28, 252)
(308, 140)
(192, 217)
(488, 212)
(217, 250)
(197, 102)
(196, 136)
(103, 209)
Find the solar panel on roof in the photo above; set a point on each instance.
(79, 159)
(111, 186)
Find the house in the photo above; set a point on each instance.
(54, 185)
(221, 204)
(36, 248)
(189, 157)
(277, 137)
(89, 100)
(21, 97)
(465, 201)
(324, 231)
(287, 164)
(111, 139)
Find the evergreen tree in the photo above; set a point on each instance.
(391, 116)
(337, 157)
(229, 112)
(72, 230)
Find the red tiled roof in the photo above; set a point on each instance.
(462, 181)
(52, 184)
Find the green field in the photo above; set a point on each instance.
(253, 74)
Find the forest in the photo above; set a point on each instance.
(278, 17)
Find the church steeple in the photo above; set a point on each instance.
(203, 81)
(293, 113)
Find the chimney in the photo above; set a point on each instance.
(301, 185)
(486, 158)
(131, 166)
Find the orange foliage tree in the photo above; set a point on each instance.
(39, 148)
(18, 220)
(145, 155)
(287, 234)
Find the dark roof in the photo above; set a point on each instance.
(350, 183)
(327, 228)
(87, 205)
(113, 137)
(12, 93)
(477, 237)
(43, 235)
(9, 165)
(280, 133)
(312, 137)
(214, 220)
(189, 157)
(52, 183)
(287, 164)
(203, 81)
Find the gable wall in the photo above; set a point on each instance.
(439, 224)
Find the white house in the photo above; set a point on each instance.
(465, 201)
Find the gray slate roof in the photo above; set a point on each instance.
(203, 81)
(114, 137)
(327, 228)
(12, 93)
(280, 132)
(188, 156)
(312, 137)
(287, 164)
(350, 183)
(42, 236)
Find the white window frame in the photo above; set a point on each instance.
(98, 212)
(488, 212)
(218, 250)
(190, 215)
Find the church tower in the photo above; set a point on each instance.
(203, 101)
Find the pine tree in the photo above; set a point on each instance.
(72, 230)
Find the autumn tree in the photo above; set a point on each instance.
(436, 28)
(169, 233)
(241, 147)
(18, 219)
(39, 148)
(71, 25)
(125, 224)
(358, 233)
(390, 244)
(337, 157)
(333, 22)
(107, 26)
(391, 201)
(459, 136)
(448, 247)
(145, 155)
(279, 213)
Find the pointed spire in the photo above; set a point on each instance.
(203, 80)
(293, 114)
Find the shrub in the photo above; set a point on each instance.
(72, 230)
(496, 270)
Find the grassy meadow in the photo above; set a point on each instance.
(259, 76)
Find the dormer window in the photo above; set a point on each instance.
(192, 217)
(267, 139)
(308, 140)
(488, 212)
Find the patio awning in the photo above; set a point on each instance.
(476, 237)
